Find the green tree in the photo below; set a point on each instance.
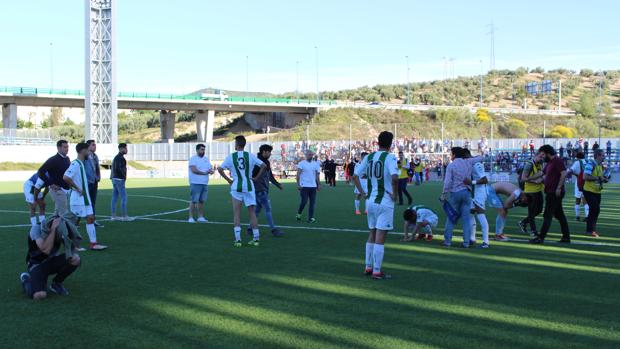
(55, 118)
(586, 106)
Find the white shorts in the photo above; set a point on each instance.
(578, 193)
(248, 199)
(364, 184)
(480, 197)
(28, 192)
(380, 216)
(82, 211)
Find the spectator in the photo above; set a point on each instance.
(93, 174)
(55, 168)
(199, 171)
(119, 177)
(594, 179)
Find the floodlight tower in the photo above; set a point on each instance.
(100, 78)
(492, 51)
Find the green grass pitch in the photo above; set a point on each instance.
(167, 284)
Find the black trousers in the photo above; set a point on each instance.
(330, 178)
(594, 201)
(402, 189)
(553, 208)
(92, 190)
(534, 208)
(39, 273)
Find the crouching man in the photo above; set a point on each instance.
(420, 221)
(51, 251)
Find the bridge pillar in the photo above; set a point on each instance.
(204, 125)
(166, 125)
(9, 118)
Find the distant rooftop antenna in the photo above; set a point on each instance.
(491, 32)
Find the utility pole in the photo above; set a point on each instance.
(318, 94)
(247, 75)
(559, 96)
(481, 83)
(452, 67)
(408, 100)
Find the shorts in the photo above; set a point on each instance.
(248, 199)
(493, 199)
(480, 196)
(364, 184)
(578, 193)
(198, 192)
(82, 211)
(28, 194)
(380, 217)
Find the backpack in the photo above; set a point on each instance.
(580, 179)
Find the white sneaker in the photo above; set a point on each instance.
(202, 220)
(114, 218)
(191, 220)
(128, 219)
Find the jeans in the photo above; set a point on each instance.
(461, 202)
(402, 189)
(307, 193)
(534, 208)
(553, 208)
(92, 190)
(118, 189)
(39, 273)
(594, 201)
(262, 201)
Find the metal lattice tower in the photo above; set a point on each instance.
(100, 92)
(493, 28)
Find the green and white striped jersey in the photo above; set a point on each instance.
(77, 173)
(240, 164)
(379, 167)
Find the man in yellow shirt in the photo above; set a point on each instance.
(403, 177)
(418, 171)
(592, 188)
(532, 177)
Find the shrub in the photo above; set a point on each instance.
(560, 131)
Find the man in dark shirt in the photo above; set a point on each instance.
(261, 186)
(93, 174)
(119, 176)
(329, 168)
(555, 176)
(55, 168)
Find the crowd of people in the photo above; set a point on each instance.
(380, 178)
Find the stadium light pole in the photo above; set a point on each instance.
(316, 56)
(52, 65)
(247, 75)
(408, 101)
(297, 83)
(481, 83)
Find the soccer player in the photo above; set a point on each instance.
(55, 168)
(240, 165)
(514, 197)
(358, 195)
(79, 202)
(308, 184)
(119, 177)
(532, 179)
(199, 170)
(420, 221)
(479, 181)
(382, 171)
(577, 170)
(261, 185)
(38, 201)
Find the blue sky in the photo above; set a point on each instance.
(180, 46)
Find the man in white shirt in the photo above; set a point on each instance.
(308, 184)
(240, 165)
(381, 169)
(199, 170)
(80, 203)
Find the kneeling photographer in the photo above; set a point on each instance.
(51, 251)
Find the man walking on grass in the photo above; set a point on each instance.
(199, 170)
